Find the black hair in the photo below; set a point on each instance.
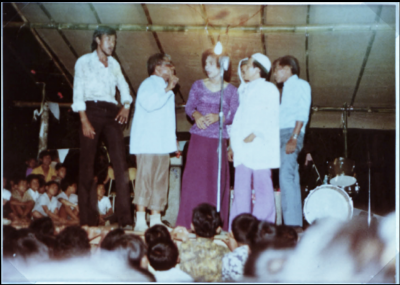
(19, 179)
(290, 61)
(263, 72)
(130, 245)
(31, 177)
(287, 234)
(70, 242)
(65, 183)
(60, 165)
(25, 244)
(101, 30)
(156, 233)
(48, 184)
(44, 153)
(154, 60)
(265, 232)
(210, 52)
(42, 181)
(163, 255)
(244, 227)
(206, 220)
(110, 239)
(42, 226)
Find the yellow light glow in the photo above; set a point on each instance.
(218, 48)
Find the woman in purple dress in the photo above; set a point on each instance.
(199, 183)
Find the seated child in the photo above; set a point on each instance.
(42, 183)
(21, 202)
(45, 169)
(31, 164)
(34, 185)
(68, 201)
(244, 227)
(163, 257)
(105, 209)
(202, 258)
(46, 205)
(61, 171)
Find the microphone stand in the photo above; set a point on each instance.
(223, 61)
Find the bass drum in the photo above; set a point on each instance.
(328, 201)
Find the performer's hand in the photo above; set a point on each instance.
(200, 120)
(211, 118)
(87, 129)
(122, 116)
(291, 146)
(173, 80)
(249, 138)
(230, 154)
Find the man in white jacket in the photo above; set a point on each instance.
(153, 137)
(255, 141)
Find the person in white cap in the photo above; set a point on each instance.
(255, 141)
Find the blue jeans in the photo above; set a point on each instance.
(289, 181)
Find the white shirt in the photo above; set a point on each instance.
(104, 205)
(34, 194)
(6, 194)
(93, 81)
(172, 275)
(296, 103)
(258, 113)
(44, 200)
(233, 264)
(73, 198)
(153, 126)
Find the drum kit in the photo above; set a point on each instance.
(333, 199)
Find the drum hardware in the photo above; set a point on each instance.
(369, 190)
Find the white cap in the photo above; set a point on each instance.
(263, 60)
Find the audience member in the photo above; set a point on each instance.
(130, 247)
(156, 233)
(104, 204)
(26, 245)
(9, 235)
(68, 201)
(43, 229)
(6, 200)
(202, 258)
(31, 164)
(21, 202)
(71, 242)
(55, 159)
(46, 205)
(42, 183)
(287, 234)
(163, 257)
(265, 232)
(61, 171)
(34, 185)
(45, 169)
(244, 227)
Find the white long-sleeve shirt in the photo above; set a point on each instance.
(153, 127)
(93, 81)
(296, 102)
(258, 113)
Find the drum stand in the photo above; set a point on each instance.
(369, 190)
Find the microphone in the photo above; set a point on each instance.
(224, 62)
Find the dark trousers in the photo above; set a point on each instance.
(102, 117)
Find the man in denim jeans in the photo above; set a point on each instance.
(293, 118)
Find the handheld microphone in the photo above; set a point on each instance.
(224, 62)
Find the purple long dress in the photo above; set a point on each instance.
(200, 176)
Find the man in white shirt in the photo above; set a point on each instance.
(153, 137)
(293, 118)
(255, 141)
(96, 76)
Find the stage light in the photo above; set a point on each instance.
(218, 48)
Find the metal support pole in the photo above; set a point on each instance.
(345, 130)
(44, 127)
(220, 142)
